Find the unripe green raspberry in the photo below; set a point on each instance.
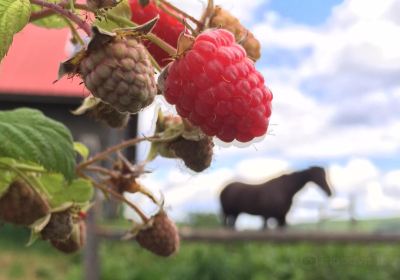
(120, 73)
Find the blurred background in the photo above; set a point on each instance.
(334, 69)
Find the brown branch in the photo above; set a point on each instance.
(41, 14)
(122, 198)
(60, 9)
(116, 195)
(113, 149)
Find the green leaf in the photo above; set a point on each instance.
(54, 21)
(80, 191)
(6, 178)
(10, 169)
(122, 10)
(14, 15)
(27, 134)
(82, 150)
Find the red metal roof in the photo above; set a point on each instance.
(31, 65)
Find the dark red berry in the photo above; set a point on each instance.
(167, 28)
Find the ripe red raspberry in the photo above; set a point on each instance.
(167, 28)
(216, 86)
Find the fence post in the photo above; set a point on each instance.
(91, 256)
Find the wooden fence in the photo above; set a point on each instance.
(275, 236)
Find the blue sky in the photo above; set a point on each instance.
(333, 67)
(310, 12)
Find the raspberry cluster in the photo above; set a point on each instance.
(22, 205)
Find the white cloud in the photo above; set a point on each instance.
(242, 9)
(354, 175)
(259, 169)
(339, 101)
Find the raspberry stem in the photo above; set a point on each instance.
(75, 34)
(124, 21)
(110, 150)
(150, 36)
(117, 196)
(123, 199)
(66, 13)
(113, 149)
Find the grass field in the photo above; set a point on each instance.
(203, 261)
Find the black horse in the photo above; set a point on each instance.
(271, 199)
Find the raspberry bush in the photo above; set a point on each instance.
(137, 51)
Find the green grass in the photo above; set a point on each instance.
(254, 261)
(125, 260)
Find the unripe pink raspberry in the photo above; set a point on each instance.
(116, 69)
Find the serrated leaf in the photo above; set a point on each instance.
(54, 21)
(82, 150)
(27, 134)
(80, 191)
(122, 9)
(14, 15)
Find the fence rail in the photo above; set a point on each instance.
(276, 236)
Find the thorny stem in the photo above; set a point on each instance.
(124, 21)
(150, 36)
(72, 5)
(113, 149)
(170, 50)
(100, 169)
(74, 32)
(48, 12)
(118, 196)
(123, 199)
(66, 13)
(41, 14)
(183, 13)
(108, 172)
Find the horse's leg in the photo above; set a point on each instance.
(231, 220)
(224, 218)
(265, 224)
(281, 222)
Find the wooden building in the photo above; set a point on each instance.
(27, 76)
